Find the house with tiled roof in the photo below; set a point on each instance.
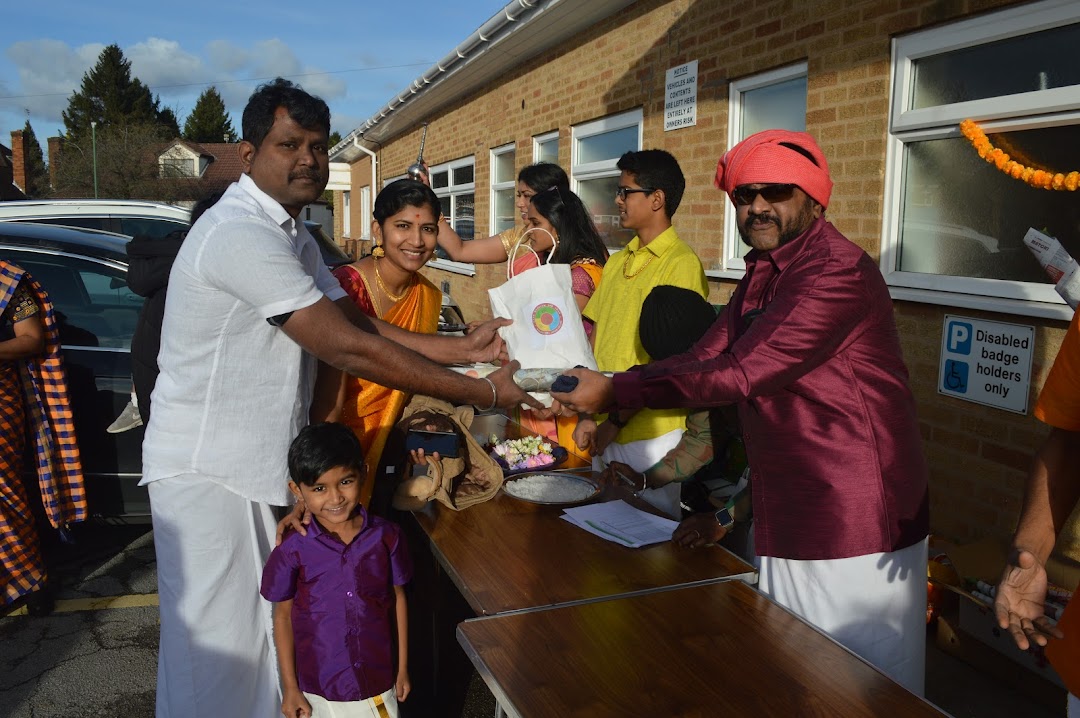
(212, 165)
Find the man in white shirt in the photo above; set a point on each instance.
(250, 308)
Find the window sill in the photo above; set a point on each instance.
(1020, 307)
(447, 265)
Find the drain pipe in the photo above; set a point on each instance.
(374, 162)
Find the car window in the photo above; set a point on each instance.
(93, 304)
(87, 222)
(156, 228)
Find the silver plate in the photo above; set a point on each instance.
(594, 487)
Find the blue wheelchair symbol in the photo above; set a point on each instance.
(956, 376)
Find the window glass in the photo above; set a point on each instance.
(779, 106)
(962, 217)
(597, 147)
(440, 179)
(85, 222)
(954, 223)
(94, 305)
(598, 196)
(464, 221)
(609, 145)
(1025, 63)
(463, 175)
(770, 100)
(547, 150)
(503, 167)
(156, 228)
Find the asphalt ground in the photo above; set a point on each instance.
(96, 654)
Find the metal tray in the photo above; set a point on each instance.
(595, 487)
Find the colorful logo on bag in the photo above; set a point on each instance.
(547, 318)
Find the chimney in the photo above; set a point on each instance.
(18, 160)
(55, 145)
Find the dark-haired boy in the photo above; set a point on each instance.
(339, 590)
(650, 189)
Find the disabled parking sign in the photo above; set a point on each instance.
(986, 362)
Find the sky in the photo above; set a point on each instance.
(355, 55)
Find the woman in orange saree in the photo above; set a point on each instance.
(387, 285)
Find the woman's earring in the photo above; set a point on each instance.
(377, 252)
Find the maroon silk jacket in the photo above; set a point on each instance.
(809, 351)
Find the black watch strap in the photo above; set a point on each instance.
(613, 417)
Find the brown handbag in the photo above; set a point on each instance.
(457, 483)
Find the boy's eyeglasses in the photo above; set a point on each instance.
(771, 193)
(621, 192)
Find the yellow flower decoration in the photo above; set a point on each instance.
(1016, 170)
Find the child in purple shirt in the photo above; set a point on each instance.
(338, 592)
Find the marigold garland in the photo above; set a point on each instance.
(1016, 170)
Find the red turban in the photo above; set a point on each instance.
(763, 158)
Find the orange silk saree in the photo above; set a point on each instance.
(371, 410)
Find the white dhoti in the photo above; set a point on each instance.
(384, 705)
(875, 605)
(216, 655)
(642, 455)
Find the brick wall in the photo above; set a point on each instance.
(978, 455)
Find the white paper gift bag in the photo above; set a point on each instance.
(547, 331)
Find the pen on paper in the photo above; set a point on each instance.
(609, 533)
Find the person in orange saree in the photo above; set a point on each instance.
(386, 284)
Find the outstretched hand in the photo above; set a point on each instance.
(510, 394)
(1019, 601)
(593, 394)
(698, 530)
(484, 345)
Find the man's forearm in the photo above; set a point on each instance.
(1053, 488)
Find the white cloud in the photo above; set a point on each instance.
(49, 72)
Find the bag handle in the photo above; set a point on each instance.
(513, 252)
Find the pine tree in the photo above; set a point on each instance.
(170, 125)
(209, 122)
(110, 96)
(37, 174)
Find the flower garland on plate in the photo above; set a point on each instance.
(1016, 170)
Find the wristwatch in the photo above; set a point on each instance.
(724, 518)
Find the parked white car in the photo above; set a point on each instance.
(128, 217)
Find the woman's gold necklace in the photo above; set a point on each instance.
(395, 298)
(627, 262)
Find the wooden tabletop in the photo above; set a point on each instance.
(721, 649)
(509, 555)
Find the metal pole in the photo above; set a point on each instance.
(93, 141)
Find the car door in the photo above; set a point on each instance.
(96, 313)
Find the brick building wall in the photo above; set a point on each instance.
(18, 159)
(978, 455)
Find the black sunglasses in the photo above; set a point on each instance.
(621, 192)
(771, 193)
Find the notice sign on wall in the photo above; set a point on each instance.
(680, 102)
(986, 362)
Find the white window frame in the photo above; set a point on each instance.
(605, 168)
(346, 213)
(511, 184)
(452, 190)
(732, 264)
(1024, 111)
(538, 140)
(582, 171)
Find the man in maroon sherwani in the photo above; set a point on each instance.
(809, 351)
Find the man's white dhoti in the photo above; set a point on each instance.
(875, 605)
(216, 655)
(642, 455)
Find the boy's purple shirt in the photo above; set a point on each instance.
(343, 605)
